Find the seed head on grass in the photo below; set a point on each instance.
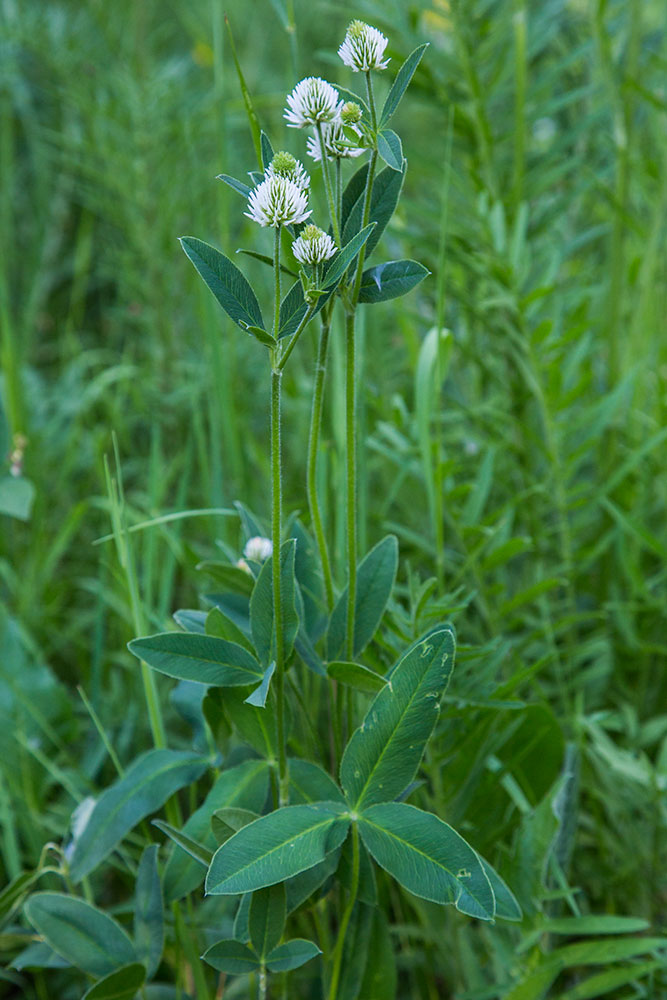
(313, 246)
(277, 201)
(363, 47)
(312, 102)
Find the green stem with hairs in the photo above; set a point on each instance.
(276, 524)
(292, 344)
(351, 400)
(331, 201)
(313, 447)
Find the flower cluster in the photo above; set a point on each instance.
(313, 246)
(363, 47)
(336, 144)
(312, 102)
(285, 165)
(277, 201)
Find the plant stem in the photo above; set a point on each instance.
(276, 524)
(342, 930)
(328, 186)
(263, 983)
(313, 446)
(295, 336)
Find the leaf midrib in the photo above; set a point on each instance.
(417, 850)
(202, 659)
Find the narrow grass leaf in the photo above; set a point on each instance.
(120, 985)
(383, 755)
(375, 580)
(276, 847)
(390, 280)
(80, 933)
(253, 120)
(427, 857)
(144, 788)
(226, 281)
(188, 656)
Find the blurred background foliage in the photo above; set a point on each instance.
(512, 411)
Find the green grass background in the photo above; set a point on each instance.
(520, 456)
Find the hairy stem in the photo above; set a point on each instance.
(313, 447)
(342, 930)
(331, 201)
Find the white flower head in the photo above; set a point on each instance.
(363, 47)
(277, 201)
(285, 165)
(336, 144)
(258, 548)
(313, 246)
(313, 101)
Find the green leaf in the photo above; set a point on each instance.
(349, 95)
(340, 263)
(309, 577)
(227, 576)
(355, 952)
(603, 983)
(301, 887)
(80, 933)
(261, 335)
(245, 786)
(291, 955)
(401, 83)
(189, 656)
(119, 985)
(427, 857)
(218, 624)
(292, 310)
(276, 847)
(391, 279)
(309, 783)
(380, 977)
(193, 847)
(144, 788)
(375, 579)
(228, 821)
(383, 755)
(265, 259)
(384, 198)
(16, 497)
(261, 606)
(232, 957)
(356, 675)
(13, 893)
(149, 911)
(266, 921)
(255, 726)
(190, 620)
(390, 149)
(226, 281)
(259, 695)
(236, 185)
(507, 907)
(267, 149)
(39, 956)
(253, 120)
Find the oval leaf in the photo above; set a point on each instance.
(375, 579)
(189, 656)
(261, 606)
(120, 985)
(266, 921)
(383, 755)
(144, 788)
(276, 847)
(149, 911)
(386, 191)
(80, 933)
(309, 783)
(291, 955)
(231, 957)
(390, 149)
(427, 857)
(226, 281)
(389, 280)
(356, 675)
(401, 83)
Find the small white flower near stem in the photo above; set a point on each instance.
(363, 47)
(312, 102)
(258, 548)
(313, 246)
(285, 165)
(336, 144)
(277, 201)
